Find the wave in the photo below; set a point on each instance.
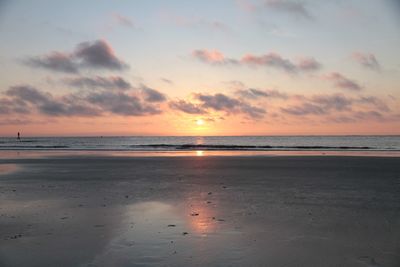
(33, 147)
(246, 147)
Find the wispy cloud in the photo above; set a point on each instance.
(253, 93)
(167, 81)
(212, 57)
(291, 7)
(123, 20)
(271, 60)
(193, 21)
(367, 60)
(343, 82)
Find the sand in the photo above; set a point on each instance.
(200, 211)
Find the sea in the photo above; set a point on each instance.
(215, 143)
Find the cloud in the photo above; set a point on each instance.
(375, 102)
(339, 108)
(193, 22)
(366, 60)
(272, 60)
(111, 82)
(308, 64)
(253, 93)
(167, 81)
(152, 95)
(304, 109)
(209, 103)
(123, 20)
(26, 99)
(293, 7)
(55, 61)
(98, 54)
(320, 105)
(333, 102)
(186, 107)
(91, 55)
(212, 57)
(121, 103)
(46, 104)
(235, 85)
(221, 102)
(343, 82)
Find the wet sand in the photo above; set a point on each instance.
(89, 210)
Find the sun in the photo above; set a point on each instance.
(200, 122)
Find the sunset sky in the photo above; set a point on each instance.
(245, 67)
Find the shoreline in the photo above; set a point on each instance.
(35, 153)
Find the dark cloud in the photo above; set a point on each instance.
(121, 103)
(152, 95)
(186, 107)
(304, 109)
(292, 7)
(93, 55)
(252, 93)
(320, 105)
(369, 115)
(111, 82)
(272, 60)
(375, 102)
(366, 60)
(221, 102)
(343, 82)
(28, 94)
(8, 106)
(55, 61)
(45, 103)
(342, 108)
(27, 99)
(17, 121)
(333, 102)
(98, 54)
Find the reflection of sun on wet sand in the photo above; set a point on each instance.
(200, 211)
(7, 168)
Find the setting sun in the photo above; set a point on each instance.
(200, 122)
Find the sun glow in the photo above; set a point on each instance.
(200, 122)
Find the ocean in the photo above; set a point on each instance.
(188, 143)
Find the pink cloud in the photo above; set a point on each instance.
(366, 60)
(343, 82)
(211, 56)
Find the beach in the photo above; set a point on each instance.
(199, 210)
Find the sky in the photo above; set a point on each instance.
(244, 67)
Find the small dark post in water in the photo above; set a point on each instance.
(18, 136)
